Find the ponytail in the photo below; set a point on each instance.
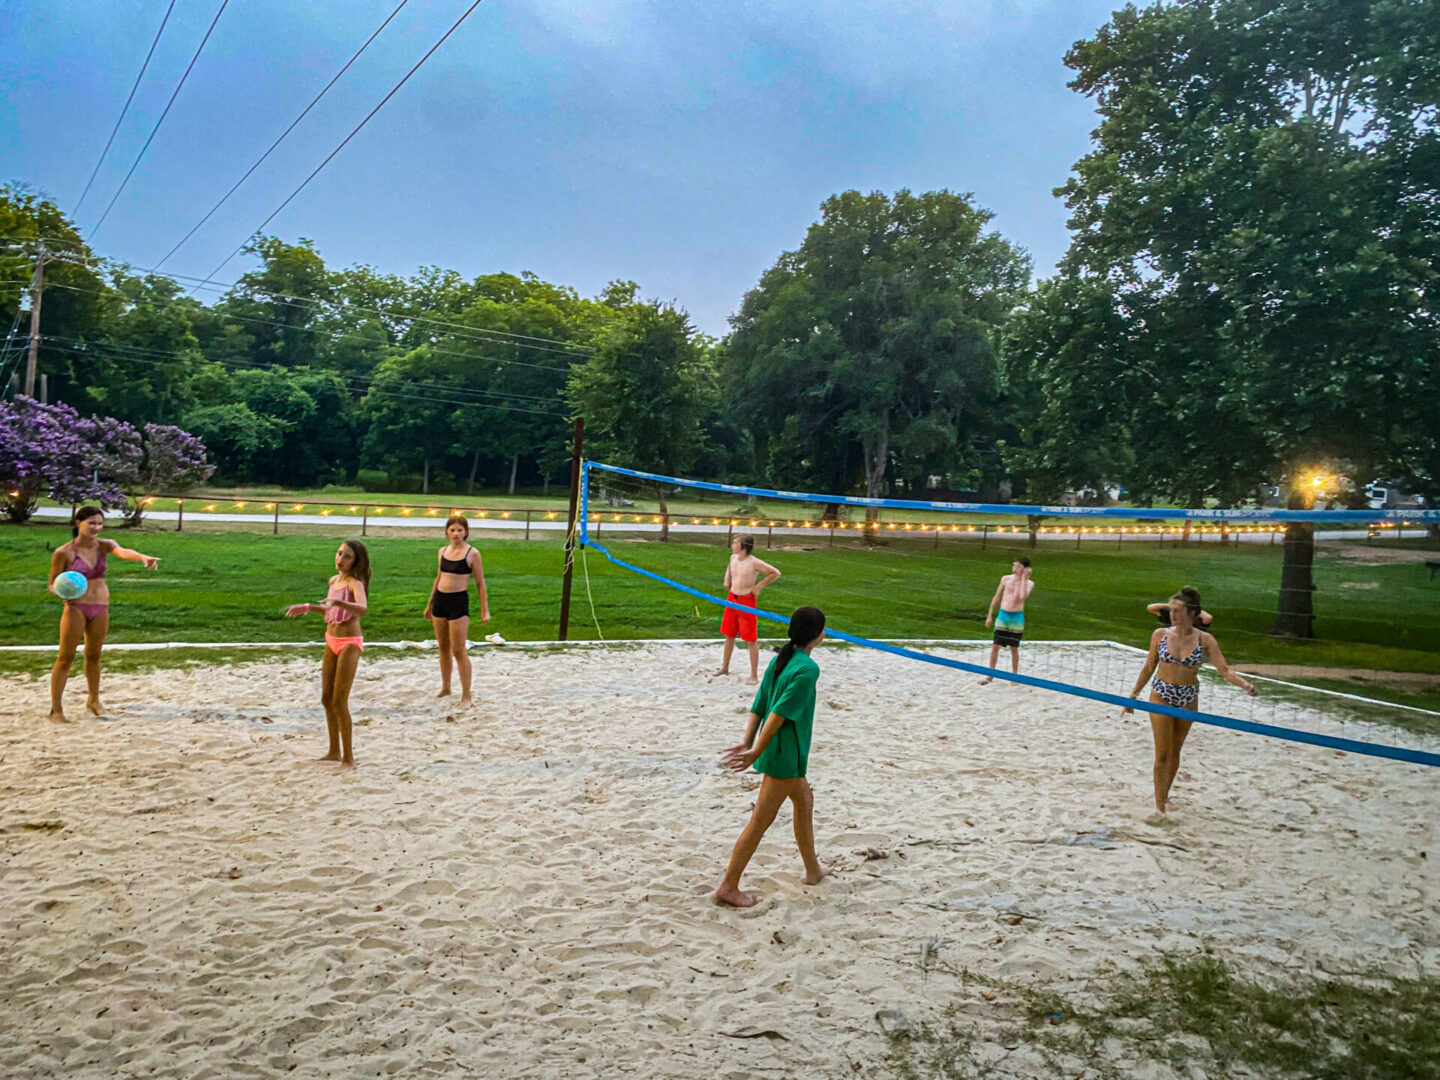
(807, 624)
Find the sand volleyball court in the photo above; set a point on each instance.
(523, 890)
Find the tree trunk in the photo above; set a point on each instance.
(514, 467)
(425, 479)
(876, 450)
(664, 510)
(832, 512)
(1295, 613)
(1033, 521)
(474, 468)
(545, 484)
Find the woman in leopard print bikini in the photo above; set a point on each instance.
(1176, 654)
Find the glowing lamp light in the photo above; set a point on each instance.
(379, 509)
(891, 525)
(482, 513)
(505, 514)
(789, 524)
(210, 507)
(14, 494)
(298, 506)
(432, 511)
(239, 506)
(405, 510)
(551, 515)
(354, 508)
(325, 512)
(656, 519)
(694, 521)
(616, 517)
(753, 523)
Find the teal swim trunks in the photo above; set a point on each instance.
(1009, 628)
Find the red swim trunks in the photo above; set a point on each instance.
(735, 624)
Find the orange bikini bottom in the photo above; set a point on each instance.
(340, 644)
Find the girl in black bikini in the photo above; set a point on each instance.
(1175, 657)
(449, 606)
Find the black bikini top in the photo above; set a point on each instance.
(455, 566)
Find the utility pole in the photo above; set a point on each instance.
(37, 281)
(573, 529)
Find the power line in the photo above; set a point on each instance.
(126, 108)
(489, 336)
(379, 392)
(96, 228)
(283, 134)
(304, 183)
(357, 383)
(228, 316)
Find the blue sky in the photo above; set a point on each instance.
(681, 144)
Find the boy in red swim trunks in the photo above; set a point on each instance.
(743, 588)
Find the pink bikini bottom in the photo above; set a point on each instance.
(340, 644)
(92, 611)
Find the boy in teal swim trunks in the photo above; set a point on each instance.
(779, 749)
(1010, 596)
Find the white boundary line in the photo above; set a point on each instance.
(144, 646)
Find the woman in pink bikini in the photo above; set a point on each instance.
(86, 618)
(342, 607)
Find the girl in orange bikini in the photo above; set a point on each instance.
(342, 607)
(88, 617)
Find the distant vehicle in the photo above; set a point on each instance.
(1386, 495)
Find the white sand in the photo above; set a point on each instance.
(524, 890)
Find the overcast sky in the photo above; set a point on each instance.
(680, 144)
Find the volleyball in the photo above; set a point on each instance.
(71, 585)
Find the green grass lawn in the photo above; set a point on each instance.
(232, 585)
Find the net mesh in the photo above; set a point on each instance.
(914, 571)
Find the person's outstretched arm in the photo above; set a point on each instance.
(1152, 661)
(1229, 674)
(133, 556)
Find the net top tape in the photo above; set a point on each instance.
(1358, 517)
(1330, 742)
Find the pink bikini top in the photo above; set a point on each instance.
(338, 592)
(80, 566)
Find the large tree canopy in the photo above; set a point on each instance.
(874, 343)
(1251, 290)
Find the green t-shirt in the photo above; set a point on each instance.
(792, 695)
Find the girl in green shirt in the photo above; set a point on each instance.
(780, 751)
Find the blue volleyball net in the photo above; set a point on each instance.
(629, 508)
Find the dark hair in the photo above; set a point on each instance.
(807, 624)
(458, 519)
(746, 541)
(1023, 560)
(361, 570)
(85, 513)
(1191, 597)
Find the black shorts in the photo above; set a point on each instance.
(1008, 637)
(450, 605)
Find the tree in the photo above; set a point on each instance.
(1255, 251)
(874, 342)
(173, 461)
(238, 437)
(409, 416)
(53, 449)
(645, 394)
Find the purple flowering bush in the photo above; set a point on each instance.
(173, 461)
(93, 459)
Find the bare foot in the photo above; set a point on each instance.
(346, 766)
(333, 755)
(722, 671)
(466, 702)
(734, 897)
(815, 879)
(57, 716)
(94, 707)
(987, 679)
(444, 692)
(752, 681)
